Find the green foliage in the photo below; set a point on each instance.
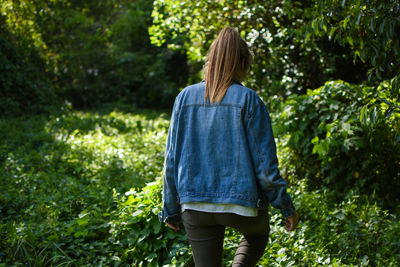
(289, 57)
(327, 144)
(24, 83)
(57, 178)
(353, 232)
(82, 188)
(87, 53)
(76, 192)
(137, 230)
(370, 29)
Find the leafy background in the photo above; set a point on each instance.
(86, 89)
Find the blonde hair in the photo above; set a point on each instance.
(228, 59)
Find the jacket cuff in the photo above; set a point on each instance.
(162, 217)
(288, 211)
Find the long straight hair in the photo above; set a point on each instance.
(228, 59)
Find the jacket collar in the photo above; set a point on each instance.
(234, 81)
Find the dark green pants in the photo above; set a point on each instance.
(205, 232)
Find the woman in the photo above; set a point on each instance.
(220, 164)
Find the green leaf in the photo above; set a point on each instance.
(397, 139)
(372, 24)
(157, 227)
(332, 32)
(350, 40)
(137, 213)
(382, 26)
(315, 140)
(373, 116)
(358, 19)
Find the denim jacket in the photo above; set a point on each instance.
(221, 153)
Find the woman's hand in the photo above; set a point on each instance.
(174, 226)
(292, 222)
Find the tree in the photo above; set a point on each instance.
(24, 78)
(370, 28)
(97, 51)
(289, 56)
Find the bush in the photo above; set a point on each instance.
(327, 145)
(354, 232)
(85, 52)
(57, 178)
(140, 237)
(24, 84)
(76, 192)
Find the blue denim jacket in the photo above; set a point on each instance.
(221, 153)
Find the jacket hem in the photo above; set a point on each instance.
(223, 199)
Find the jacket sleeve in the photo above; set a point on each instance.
(263, 152)
(171, 211)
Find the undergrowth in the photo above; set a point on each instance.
(83, 188)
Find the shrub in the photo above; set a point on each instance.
(328, 145)
(142, 240)
(84, 52)
(354, 232)
(76, 192)
(57, 178)
(24, 84)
